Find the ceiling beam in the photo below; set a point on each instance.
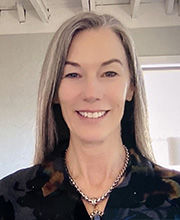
(134, 4)
(20, 11)
(85, 5)
(169, 6)
(41, 9)
(92, 5)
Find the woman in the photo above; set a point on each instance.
(93, 158)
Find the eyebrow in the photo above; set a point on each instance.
(111, 61)
(72, 63)
(108, 62)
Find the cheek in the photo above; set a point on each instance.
(118, 99)
(118, 93)
(65, 97)
(67, 94)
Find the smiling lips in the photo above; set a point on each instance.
(87, 114)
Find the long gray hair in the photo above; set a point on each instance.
(52, 133)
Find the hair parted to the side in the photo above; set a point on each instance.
(52, 133)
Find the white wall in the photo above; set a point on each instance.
(21, 58)
(157, 41)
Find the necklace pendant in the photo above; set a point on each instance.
(97, 217)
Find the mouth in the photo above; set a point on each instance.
(92, 114)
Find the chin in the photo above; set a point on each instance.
(93, 138)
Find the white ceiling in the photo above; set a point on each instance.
(44, 16)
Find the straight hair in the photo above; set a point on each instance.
(52, 133)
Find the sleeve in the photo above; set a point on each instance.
(11, 188)
(6, 206)
(171, 188)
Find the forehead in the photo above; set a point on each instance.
(96, 45)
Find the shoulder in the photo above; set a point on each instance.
(157, 185)
(149, 172)
(12, 187)
(170, 182)
(153, 185)
(20, 175)
(17, 180)
(166, 173)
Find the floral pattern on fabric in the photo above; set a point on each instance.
(43, 192)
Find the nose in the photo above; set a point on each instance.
(93, 90)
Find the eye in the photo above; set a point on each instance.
(110, 74)
(72, 75)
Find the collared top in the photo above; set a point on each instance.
(43, 192)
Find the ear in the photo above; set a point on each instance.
(56, 99)
(130, 93)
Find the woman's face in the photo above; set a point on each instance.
(95, 85)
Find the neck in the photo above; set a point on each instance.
(94, 164)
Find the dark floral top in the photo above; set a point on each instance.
(43, 192)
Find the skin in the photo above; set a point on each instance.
(96, 78)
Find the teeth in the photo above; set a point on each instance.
(92, 114)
